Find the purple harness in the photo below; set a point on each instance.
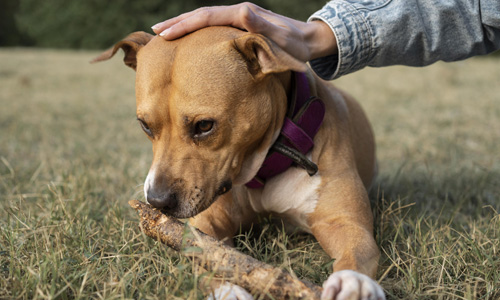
(303, 119)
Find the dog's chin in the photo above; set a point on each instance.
(179, 214)
(184, 212)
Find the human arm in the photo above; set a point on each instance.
(408, 32)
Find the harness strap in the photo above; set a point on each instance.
(304, 118)
(296, 136)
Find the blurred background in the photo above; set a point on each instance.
(94, 24)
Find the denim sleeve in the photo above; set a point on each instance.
(380, 33)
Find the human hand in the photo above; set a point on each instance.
(304, 41)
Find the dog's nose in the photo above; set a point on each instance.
(162, 200)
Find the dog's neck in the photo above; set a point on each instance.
(304, 116)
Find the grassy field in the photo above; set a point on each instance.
(72, 155)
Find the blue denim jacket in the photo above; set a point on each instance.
(380, 33)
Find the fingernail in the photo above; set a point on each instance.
(165, 32)
(156, 26)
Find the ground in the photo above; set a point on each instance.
(72, 155)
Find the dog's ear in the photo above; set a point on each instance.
(263, 56)
(130, 45)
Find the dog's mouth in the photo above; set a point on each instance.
(178, 214)
(196, 202)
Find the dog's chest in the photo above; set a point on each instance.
(292, 195)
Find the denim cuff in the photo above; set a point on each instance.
(354, 40)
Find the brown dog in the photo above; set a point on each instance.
(213, 103)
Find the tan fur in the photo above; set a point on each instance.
(241, 81)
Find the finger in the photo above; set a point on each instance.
(201, 18)
(250, 21)
(258, 23)
(160, 27)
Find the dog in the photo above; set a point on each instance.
(241, 128)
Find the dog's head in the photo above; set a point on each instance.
(212, 104)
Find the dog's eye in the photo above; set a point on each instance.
(145, 127)
(203, 127)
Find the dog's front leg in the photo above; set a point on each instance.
(342, 222)
(222, 220)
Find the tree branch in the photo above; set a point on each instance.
(226, 262)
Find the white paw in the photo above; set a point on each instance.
(351, 285)
(229, 291)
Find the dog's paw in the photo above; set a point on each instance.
(351, 285)
(228, 291)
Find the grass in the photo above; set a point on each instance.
(72, 155)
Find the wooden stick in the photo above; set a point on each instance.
(226, 262)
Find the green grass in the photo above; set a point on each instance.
(72, 155)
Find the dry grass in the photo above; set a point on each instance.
(72, 155)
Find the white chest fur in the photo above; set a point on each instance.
(292, 194)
